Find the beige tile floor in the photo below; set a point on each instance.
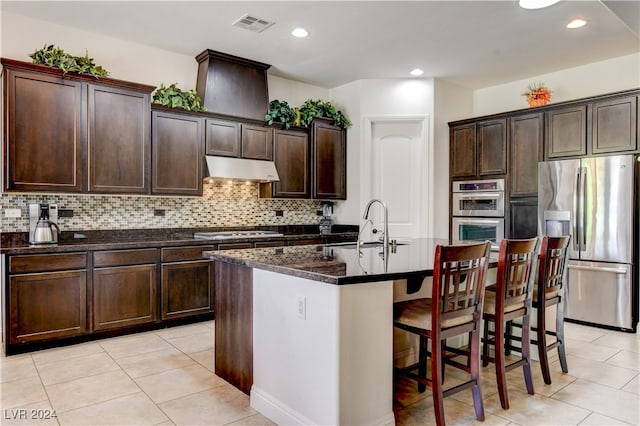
(166, 377)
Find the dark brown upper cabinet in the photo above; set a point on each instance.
(329, 161)
(44, 142)
(222, 138)
(478, 149)
(291, 155)
(615, 125)
(463, 151)
(257, 142)
(526, 136)
(566, 131)
(492, 147)
(604, 125)
(177, 141)
(74, 133)
(119, 137)
(227, 138)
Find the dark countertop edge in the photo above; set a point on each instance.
(65, 247)
(315, 276)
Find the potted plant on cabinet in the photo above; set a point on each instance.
(316, 108)
(174, 97)
(281, 112)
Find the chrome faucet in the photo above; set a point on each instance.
(385, 233)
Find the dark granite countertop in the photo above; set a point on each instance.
(340, 264)
(17, 242)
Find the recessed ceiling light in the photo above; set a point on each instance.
(576, 23)
(299, 32)
(536, 4)
(416, 72)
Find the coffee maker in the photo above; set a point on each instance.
(326, 223)
(43, 227)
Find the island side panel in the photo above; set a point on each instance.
(331, 365)
(234, 324)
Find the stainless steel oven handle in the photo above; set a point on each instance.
(475, 220)
(475, 196)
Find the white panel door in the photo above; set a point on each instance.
(397, 175)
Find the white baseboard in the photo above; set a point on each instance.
(282, 414)
(275, 410)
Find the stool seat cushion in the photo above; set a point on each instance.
(489, 306)
(548, 295)
(417, 314)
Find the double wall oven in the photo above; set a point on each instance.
(478, 211)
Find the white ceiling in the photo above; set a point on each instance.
(471, 43)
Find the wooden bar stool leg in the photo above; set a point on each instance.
(500, 365)
(560, 337)
(475, 374)
(542, 344)
(485, 346)
(422, 363)
(436, 381)
(507, 346)
(526, 354)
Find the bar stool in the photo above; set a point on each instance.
(508, 300)
(455, 308)
(548, 292)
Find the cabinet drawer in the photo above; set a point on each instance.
(123, 257)
(260, 244)
(179, 254)
(47, 262)
(305, 242)
(234, 246)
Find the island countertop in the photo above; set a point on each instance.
(340, 263)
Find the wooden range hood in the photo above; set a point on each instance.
(231, 85)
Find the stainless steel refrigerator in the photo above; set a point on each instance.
(592, 199)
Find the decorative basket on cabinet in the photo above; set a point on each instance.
(538, 95)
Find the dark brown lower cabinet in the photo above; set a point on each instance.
(187, 282)
(124, 288)
(523, 217)
(47, 305)
(124, 296)
(187, 288)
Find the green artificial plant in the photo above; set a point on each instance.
(174, 97)
(280, 112)
(316, 108)
(58, 58)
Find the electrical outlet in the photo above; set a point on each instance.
(65, 212)
(301, 307)
(12, 213)
(279, 213)
(158, 212)
(319, 213)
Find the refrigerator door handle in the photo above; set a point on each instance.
(583, 210)
(576, 204)
(598, 269)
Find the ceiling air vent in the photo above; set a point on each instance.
(252, 23)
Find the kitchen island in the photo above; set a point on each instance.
(308, 330)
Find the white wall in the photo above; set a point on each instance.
(123, 59)
(451, 103)
(375, 98)
(598, 78)
(126, 60)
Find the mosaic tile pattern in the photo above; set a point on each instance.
(222, 204)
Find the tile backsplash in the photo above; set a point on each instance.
(222, 204)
